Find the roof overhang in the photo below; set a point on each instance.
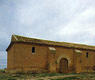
(21, 39)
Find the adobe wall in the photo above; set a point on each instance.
(10, 58)
(20, 58)
(77, 62)
(87, 63)
(27, 61)
(61, 52)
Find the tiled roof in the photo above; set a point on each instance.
(17, 38)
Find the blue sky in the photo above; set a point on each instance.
(57, 20)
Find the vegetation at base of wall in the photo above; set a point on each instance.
(48, 74)
(7, 77)
(24, 76)
(2, 70)
(68, 78)
(53, 74)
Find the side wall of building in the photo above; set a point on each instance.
(61, 52)
(27, 61)
(87, 60)
(10, 58)
(21, 58)
(77, 61)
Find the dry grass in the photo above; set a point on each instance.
(46, 76)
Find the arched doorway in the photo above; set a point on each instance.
(63, 65)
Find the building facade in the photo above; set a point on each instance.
(35, 55)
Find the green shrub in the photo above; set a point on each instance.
(2, 70)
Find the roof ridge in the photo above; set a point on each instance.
(18, 38)
(54, 41)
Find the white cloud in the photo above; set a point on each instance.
(80, 27)
(3, 55)
(60, 20)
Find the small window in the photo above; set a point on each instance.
(87, 54)
(33, 49)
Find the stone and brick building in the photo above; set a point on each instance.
(35, 55)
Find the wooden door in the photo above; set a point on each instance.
(63, 65)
